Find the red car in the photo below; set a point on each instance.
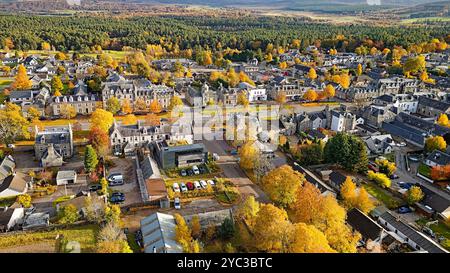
(190, 186)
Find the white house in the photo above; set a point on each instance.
(9, 218)
(257, 93)
(382, 144)
(66, 178)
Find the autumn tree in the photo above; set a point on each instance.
(312, 75)
(68, 214)
(281, 184)
(33, 113)
(22, 82)
(380, 178)
(57, 85)
(329, 91)
(155, 107)
(129, 120)
(310, 95)
(247, 154)
(175, 102)
(12, 124)
(248, 210)
(102, 119)
(435, 143)
(24, 200)
(126, 107)
(414, 195)
(348, 192)
(196, 228)
(67, 111)
(386, 166)
(271, 229)
(46, 46)
(281, 97)
(99, 140)
(90, 159)
(242, 99)
(359, 70)
(113, 105)
(308, 239)
(363, 201)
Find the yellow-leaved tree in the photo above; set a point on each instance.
(102, 119)
(22, 82)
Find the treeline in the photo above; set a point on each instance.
(81, 33)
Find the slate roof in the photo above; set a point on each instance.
(368, 228)
(435, 201)
(5, 217)
(14, 182)
(440, 158)
(412, 234)
(7, 167)
(432, 103)
(337, 178)
(56, 135)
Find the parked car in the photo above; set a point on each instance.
(114, 177)
(117, 198)
(448, 188)
(175, 187)
(190, 172)
(116, 183)
(211, 182)
(405, 185)
(401, 144)
(197, 185)
(203, 184)
(177, 203)
(215, 157)
(11, 146)
(95, 187)
(183, 173)
(195, 170)
(413, 158)
(404, 209)
(190, 186)
(394, 176)
(429, 232)
(234, 152)
(202, 169)
(183, 187)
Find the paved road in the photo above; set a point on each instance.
(407, 176)
(233, 171)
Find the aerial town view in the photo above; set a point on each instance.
(221, 126)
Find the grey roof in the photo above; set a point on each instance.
(55, 135)
(311, 178)
(5, 217)
(7, 167)
(66, 175)
(412, 234)
(150, 168)
(15, 182)
(26, 94)
(368, 228)
(436, 104)
(435, 201)
(158, 232)
(438, 157)
(337, 178)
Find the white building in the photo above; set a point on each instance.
(257, 93)
(158, 233)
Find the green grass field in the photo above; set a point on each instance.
(383, 196)
(84, 235)
(425, 19)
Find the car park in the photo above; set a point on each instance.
(203, 184)
(197, 185)
(183, 187)
(183, 172)
(202, 169)
(189, 172)
(176, 187)
(190, 186)
(116, 183)
(211, 182)
(177, 203)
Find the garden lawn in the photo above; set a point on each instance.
(440, 229)
(85, 235)
(383, 195)
(424, 170)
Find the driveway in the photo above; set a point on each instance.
(126, 166)
(233, 171)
